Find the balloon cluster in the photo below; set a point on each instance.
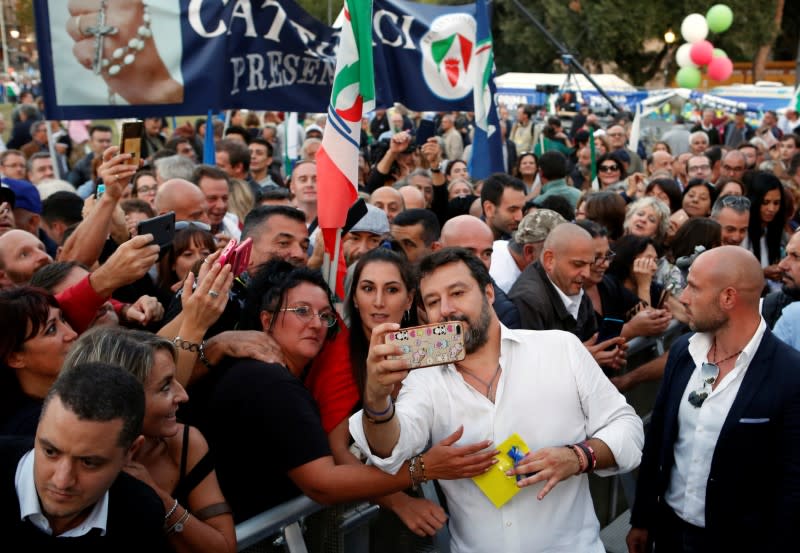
(698, 52)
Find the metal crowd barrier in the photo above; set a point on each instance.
(283, 525)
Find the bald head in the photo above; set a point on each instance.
(413, 198)
(467, 231)
(735, 267)
(389, 200)
(564, 236)
(184, 198)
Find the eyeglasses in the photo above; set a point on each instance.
(182, 225)
(607, 258)
(741, 203)
(305, 314)
(608, 168)
(14, 165)
(709, 372)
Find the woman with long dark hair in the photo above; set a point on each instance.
(765, 233)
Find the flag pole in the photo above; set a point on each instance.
(335, 261)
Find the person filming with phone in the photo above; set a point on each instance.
(540, 388)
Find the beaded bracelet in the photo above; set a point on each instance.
(581, 460)
(416, 470)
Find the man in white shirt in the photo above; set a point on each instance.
(544, 386)
(721, 462)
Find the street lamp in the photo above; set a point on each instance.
(669, 38)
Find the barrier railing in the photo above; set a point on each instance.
(284, 524)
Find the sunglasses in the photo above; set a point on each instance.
(608, 168)
(739, 202)
(182, 225)
(709, 372)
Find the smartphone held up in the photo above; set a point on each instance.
(429, 345)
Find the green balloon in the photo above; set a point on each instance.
(720, 53)
(719, 18)
(688, 77)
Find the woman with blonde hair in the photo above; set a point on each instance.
(240, 198)
(647, 217)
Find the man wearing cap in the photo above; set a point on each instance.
(365, 235)
(28, 212)
(510, 258)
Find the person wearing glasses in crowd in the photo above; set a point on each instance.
(610, 171)
(721, 458)
(145, 186)
(13, 164)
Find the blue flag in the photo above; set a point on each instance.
(209, 154)
(487, 145)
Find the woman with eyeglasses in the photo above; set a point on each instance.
(256, 406)
(145, 186)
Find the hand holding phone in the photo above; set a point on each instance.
(609, 328)
(161, 227)
(429, 345)
(226, 257)
(131, 141)
(241, 257)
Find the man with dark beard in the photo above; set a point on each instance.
(721, 461)
(542, 386)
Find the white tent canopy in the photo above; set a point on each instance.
(607, 81)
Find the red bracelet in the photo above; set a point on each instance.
(593, 460)
(582, 461)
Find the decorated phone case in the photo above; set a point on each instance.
(429, 345)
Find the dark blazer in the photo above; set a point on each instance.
(753, 494)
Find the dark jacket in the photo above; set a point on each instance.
(505, 309)
(540, 307)
(774, 302)
(135, 514)
(760, 436)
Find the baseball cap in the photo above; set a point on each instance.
(27, 196)
(535, 226)
(375, 221)
(313, 128)
(7, 195)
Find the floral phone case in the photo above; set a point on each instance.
(429, 345)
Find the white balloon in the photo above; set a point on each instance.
(682, 56)
(694, 28)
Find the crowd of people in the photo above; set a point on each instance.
(152, 397)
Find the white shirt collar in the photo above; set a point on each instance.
(700, 344)
(30, 508)
(572, 303)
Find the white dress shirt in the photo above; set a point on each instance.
(571, 303)
(29, 506)
(503, 269)
(699, 428)
(551, 392)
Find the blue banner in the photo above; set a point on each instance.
(168, 57)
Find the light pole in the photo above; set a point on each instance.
(3, 33)
(669, 39)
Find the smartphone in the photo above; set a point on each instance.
(131, 141)
(429, 345)
(161, 227)
(241, 257)
(426, 130)
(101, 189)
(609, 328)
(662, 298)
(226, 257)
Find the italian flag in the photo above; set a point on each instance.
(353, 95)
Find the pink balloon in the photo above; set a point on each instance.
(720, 69)
(702, 52)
